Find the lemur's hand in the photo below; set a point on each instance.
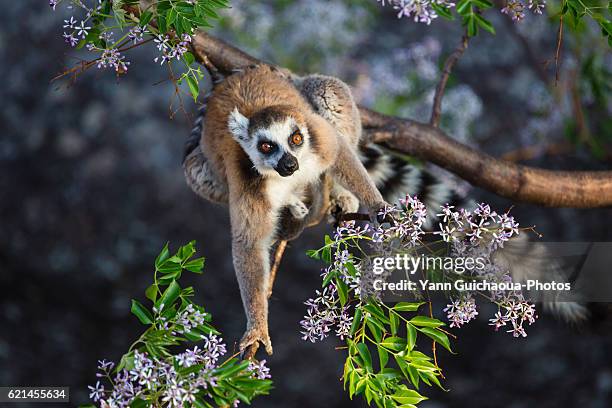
(298, 209)
(251, 339)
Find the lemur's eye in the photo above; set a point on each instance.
(296, 138)
(266, 147)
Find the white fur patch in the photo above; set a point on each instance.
(238, 125)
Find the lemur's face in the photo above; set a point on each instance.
(274, 140)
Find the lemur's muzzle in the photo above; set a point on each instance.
(287, 165)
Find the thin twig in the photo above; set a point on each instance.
(85, 65)
(278, 256)
(558, 51)
(448, 67)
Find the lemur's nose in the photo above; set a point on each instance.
(287, 165)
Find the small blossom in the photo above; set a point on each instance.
(82, 29)
(96, 392)
(260, 370)
(71, 23)
(515, 9)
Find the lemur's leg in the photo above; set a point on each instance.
(252, 235)
(347, 169)
(199, 174)
(332, 99)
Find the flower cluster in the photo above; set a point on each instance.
(462, 311)
(404, 221)
(421, 11)
(481, 228)
(516, 313)
(154, 373)
(324, 311)
(259, 369)
(189, 318)
(110, 58)
(151, 375)
(516, 8)
(171, 49)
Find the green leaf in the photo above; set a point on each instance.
(189, 58)
(426, 321)
(376, 311)
(356, 321)
(235, 366)
(342, 291)
(163, 255)
(170, 295)
(314, 254)
(437, 336)
(407, 396)
(411, 336)
(443, 11)
(195, 265)
(145, 18)
(374, 328)
(470, 22)
(193, 87)
(407, 307)
(151, 292)
(463, 6)
(395, 321)
(394, 343)
(141, 312)
(383, 357)
(482, 4)
(364, 353)
(485, 24)
(139, 403)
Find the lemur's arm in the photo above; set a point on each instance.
(346, 168)
(252, 235)
(332, 100)
(351, 174)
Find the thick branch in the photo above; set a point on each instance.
(520, 183)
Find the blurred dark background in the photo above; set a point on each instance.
(91, 188)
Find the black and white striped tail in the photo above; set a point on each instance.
(200, 175)
(395, 177)
(193, 140)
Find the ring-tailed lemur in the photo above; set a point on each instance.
(263, 149)
(269, 146)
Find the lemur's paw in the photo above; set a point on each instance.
(346, 202)
(251, 339)
(298, 209)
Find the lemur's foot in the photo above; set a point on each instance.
(343, 202)
(251, 339)
(298, 209)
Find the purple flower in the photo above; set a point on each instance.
(260, 371)
(460, 312)
(515, 9)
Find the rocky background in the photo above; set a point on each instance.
(91, 188)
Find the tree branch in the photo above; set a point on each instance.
(519, 183)
(448, 67)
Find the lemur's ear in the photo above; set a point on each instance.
(239, 125)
